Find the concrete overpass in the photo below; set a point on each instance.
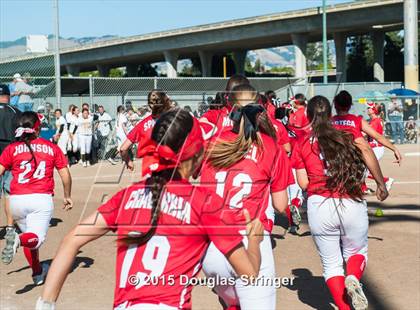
(299, 27)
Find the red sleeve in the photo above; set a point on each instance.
(110, 209)
(60, 161)
(282, 175)
(376, 124)
(135, 133)
(296, 159)
(283, 135)
(216, 224)
(6, 158)
(211, 116)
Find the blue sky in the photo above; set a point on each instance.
(82, 18)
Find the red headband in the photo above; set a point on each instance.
(21, 130)
(157, 157)
(372, 105)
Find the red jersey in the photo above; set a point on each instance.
(142, 132)
(297, 123)
(349, 123)
(299, 119)
(30, 177)
(306, 155)
(248, 183)
(281, 131)
(158, 271)
(378, 126)
(218, 119)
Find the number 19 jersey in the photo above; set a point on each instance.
(32, 176)
(158, 271)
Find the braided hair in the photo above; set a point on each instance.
(171, 129)
(28, 120)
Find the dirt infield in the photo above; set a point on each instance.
(391, 281)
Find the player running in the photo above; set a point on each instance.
(32, 161)
(159, 103)
(164, 225)
(356, 125)
(297, 126)
(331, 167)
(377, 124)
(249, 171)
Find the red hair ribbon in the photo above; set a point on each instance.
(21, 130)
(157, 157)
(372, 106)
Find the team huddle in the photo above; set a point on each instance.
(208, 193)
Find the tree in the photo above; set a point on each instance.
(360, 59)
(258, 67)
(394, 57)
(193, 69)
(283, 71)
(249, 69)
(147, 70)
(115, 72)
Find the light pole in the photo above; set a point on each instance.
(324, 41)
(57, 54)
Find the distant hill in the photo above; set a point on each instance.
(18, 47)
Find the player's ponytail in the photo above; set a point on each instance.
(170, 130)
(158, 101)
(249, 119)
(343, 160)
(27, 131)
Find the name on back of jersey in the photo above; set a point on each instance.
(37, 148)
(171, 204)
(345, 122)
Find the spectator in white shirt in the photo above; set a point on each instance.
(61, 136)
(103, 130)
(25, 92)
(121, 126)
(84, 132)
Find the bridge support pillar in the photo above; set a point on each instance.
(132, 70)
(340, 40)
(378, 40)
(171, 59)
(300, 42)
(206, 59)
(411, 45)
(239, 59)
(103, 70)
(73, 70)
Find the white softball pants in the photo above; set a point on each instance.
(248, 297)
(85, 144)
(339, 230)
(62, 142)
(73, 144)
(32, 213)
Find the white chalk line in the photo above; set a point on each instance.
(412, 154)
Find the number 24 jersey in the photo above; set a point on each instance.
(32, 176)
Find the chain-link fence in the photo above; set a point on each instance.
(195, 94)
